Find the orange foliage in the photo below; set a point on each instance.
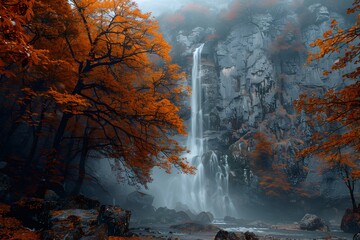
(271, 177)
(11, 228)
(89, 75)
(337, 111)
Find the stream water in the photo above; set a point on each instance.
(164, 231)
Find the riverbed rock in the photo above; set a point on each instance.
(33, 212)
(79, 202)
(350, 222)
(50, 195)
(204, 217)
(356, 236)
(181, 217)
(164, 215)
(140, 204)
(140, 198)
(74, 224)
(116, 218)
(224, 235)
(4, 186)
(194, 227)
(312, 222)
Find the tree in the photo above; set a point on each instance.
(338, 110)
(104, 87)
(271, 177)
(126, 99)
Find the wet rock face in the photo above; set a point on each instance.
(75, 224)
(350, 222)
(251, 77)
(204, 217)
(116, 218)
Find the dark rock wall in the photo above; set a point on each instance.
(250, 78)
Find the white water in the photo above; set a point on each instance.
(208, 189)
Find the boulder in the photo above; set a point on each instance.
(79, 202)
(140, 198)
(224, 235)
(312, 222)
(3, 164)
(192, 227)
(165, 215)
(181, 217)
(350, 222)
(204, 217)
(117, 220)
(50, 195)
(33, 212)
(4, 186)
(356, 236)
(140, 204)
(74, 224)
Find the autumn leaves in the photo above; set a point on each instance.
(337, 112)
(96, 92)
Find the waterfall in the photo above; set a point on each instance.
(208, 189)
(196, 141)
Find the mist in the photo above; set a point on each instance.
(159, 7)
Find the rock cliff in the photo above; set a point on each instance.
(251, 75)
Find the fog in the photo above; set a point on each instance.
(157, 7)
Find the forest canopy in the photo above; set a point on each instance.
(78, 82)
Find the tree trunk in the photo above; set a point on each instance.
(61, 131)
(351, 191)
(30, 159)
(82, 171)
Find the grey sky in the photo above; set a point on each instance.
(159, 6)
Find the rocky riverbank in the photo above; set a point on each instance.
(79, 217)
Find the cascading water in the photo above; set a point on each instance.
(208, 189)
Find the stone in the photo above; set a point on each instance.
(140, 204)
(356, 236)
(50, 195)
(165, 215)
(79, 202)
(193, 227)
(204, 217)
(33, 212)
(140, 198)
(97, 233)
(75, 224)
(116, 218)
(350, 221)
(224, 235)
(312, 222)
(3, 164)
(4, 185)
(181, 216)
